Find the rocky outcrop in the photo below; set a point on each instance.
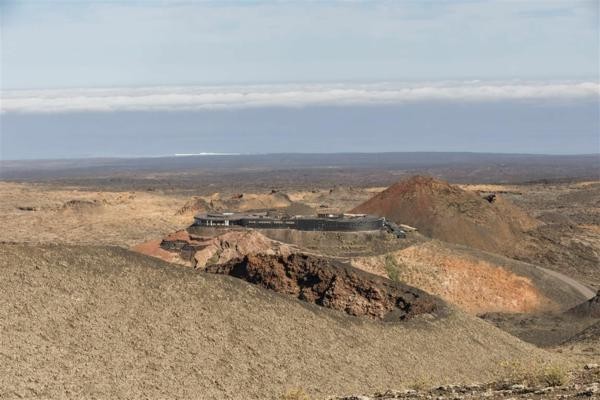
(199, 251)
(333, 285)
(236, 244)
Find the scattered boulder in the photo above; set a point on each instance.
(28, 208)
(490, 197)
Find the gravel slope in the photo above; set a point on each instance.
(83, 322)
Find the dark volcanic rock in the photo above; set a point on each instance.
(80, 205)
(332, 284)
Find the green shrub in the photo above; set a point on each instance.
(535, 373)
(392, 268)
(554, 375)
(213, 260)
(421, 384)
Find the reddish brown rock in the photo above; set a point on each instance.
(332, 284)
(447, 212)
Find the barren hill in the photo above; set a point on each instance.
(104, 322)
(589, 308)
(449, 213)
(475, 280)
(586, 343)
(589, 336)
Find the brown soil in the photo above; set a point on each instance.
(586, 343)
(294, 202)
(92, 321)
(475, 283)
(446, 212)
(333, 285)
(238, 202)
(72, 216)
(194, 206)
(587, 309)
(541, 329)
(569, 249)
(591, 334)
(104, 322)
(569, 242)
(152, 248)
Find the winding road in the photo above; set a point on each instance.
(580, 287)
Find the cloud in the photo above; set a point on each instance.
(289, 95)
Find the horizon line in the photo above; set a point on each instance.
(216, 154)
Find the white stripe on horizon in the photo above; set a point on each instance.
(292, 95)
(205, 154)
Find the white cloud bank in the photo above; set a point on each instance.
(297, 95)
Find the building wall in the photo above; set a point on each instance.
(304, 224)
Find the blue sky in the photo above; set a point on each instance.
(511, 76)
(82, 44)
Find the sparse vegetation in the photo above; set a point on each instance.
(213, 260)
(178, 313)
(554, 375)
(143, 307)
(392, 268)
(295, 394)
(536, 373)
(513, 371)
(423, 383)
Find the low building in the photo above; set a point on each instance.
(321, 222)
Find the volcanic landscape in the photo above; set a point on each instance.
(110, 291)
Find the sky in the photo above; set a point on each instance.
(258, 76)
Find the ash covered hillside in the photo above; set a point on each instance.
(104, 322)
(589, 308)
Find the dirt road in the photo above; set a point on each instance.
(584, 290)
